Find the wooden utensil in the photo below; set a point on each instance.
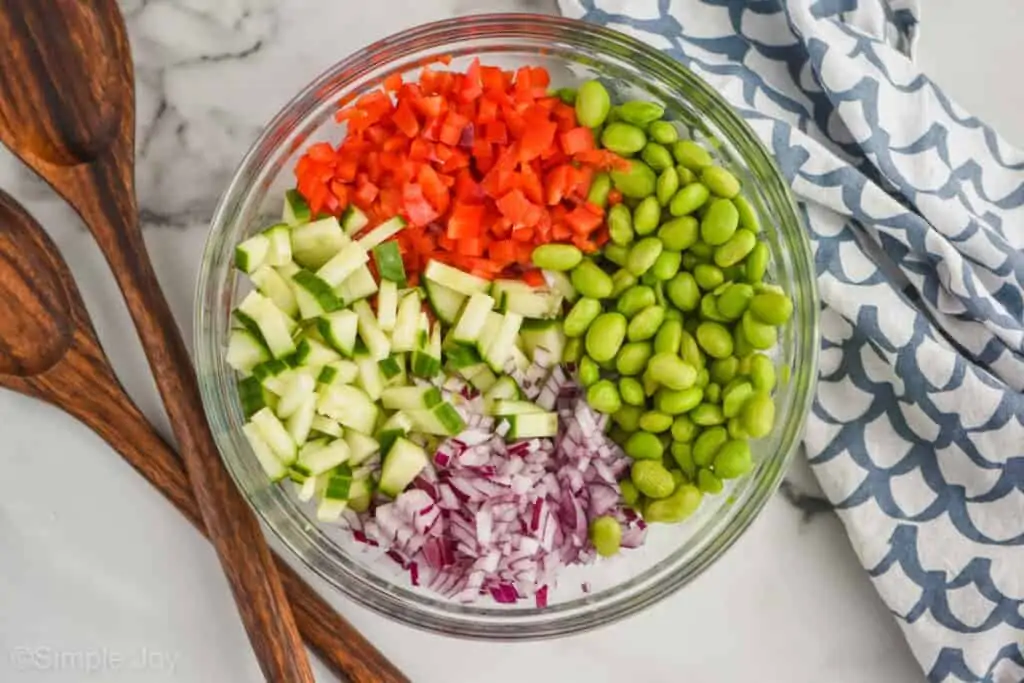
(49, 350)
(67, 109)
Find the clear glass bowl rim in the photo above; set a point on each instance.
(670, 574)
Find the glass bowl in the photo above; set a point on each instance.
(573, 51)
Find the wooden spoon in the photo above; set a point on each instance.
(67, 109)
(49, 350)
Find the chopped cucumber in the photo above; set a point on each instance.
(382, 233)
(300, 385)
(560, 282)
(426, 359)
(504, 389)
(402, 464)
(339, 330)
(345, 263)
(280, 251)
(275, 435)
(270, 368)
(488, 333)
(250, 395)
(370, 332)
(300, 423)
(325, 458)
(316, 243)
(361, 447)
(387, 305)
(503, 407)
(350, 406)
(455, 279)
(314, 295)
(252, 253)
(480, 376)
(359, 285)
(399, 424)
(546, 335)
(311, 353)
(403, 338)
(474, 316)
(329, 510)
(370, 379)
(327, 427)
(338, 372)
(271, 464)
(532, 426)
(446, 302)
(245, 351)
(275, 327)
(275, 287)
(404, 398)
(392, 367)
(442, 420)
(539, 303)
(360, 495)
(296, 210)
(500, 349)
(519, 359)
(353, 220)
(460, 356)
(389, 263)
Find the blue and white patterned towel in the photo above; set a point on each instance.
(917, 431)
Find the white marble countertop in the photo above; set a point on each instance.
(87, 584)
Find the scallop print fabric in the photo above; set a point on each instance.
(916, 213)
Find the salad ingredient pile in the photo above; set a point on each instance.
(500, 329)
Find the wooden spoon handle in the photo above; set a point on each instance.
(116, 419)
(109, 211)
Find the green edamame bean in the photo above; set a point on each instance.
(760, 335)
(684, 292)
(707, 415)
(560, 257)
(772, 307)
(631, 391)
(720, 181)
(628, 417)
(649, 280)
(735, 249)
(756, 264)
(702, 250)
(719, 223)
(567, 95)
(714, 339)
(689, 351)
(758, 415)
(737, 397)
(603, 396)
(592, 104)
(632, 358)
(733, 460)
(600, 186)
(634, 300)
(573, 351)
(643, 255)
(762, 287)
(588, 371)
(741, 347)
(708, 277)
(682, 453)
(708, 482)
(735, 272)
(690, 261)
(683, 429)
(669, 336)
(628, 492)
(645, 324)
(709, 309)
(672, 313)
(762, 372)
(679, 233)
(582, 313)
(703, 378)
(590, 281)
(690, 198)
(691, 155)
(646, 216)
(724, 369)
(644, 446)
(636, 182)
(656, 156)
(678, 402)
(624, 139)
(686, 176)
(620, 224)
(675, 508)
(748, 217)
(606, 535)
(707, 444)
(655, 422)
(640, 112)
(671, 371)
(734, 300)
(667, 186)
(621, 281)
(616, 253)
(667, 265)
(678, 477)
(736, 430)
(651, 478)
(663, 132)
(713, 392)
(650, 384)
(605, 336)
